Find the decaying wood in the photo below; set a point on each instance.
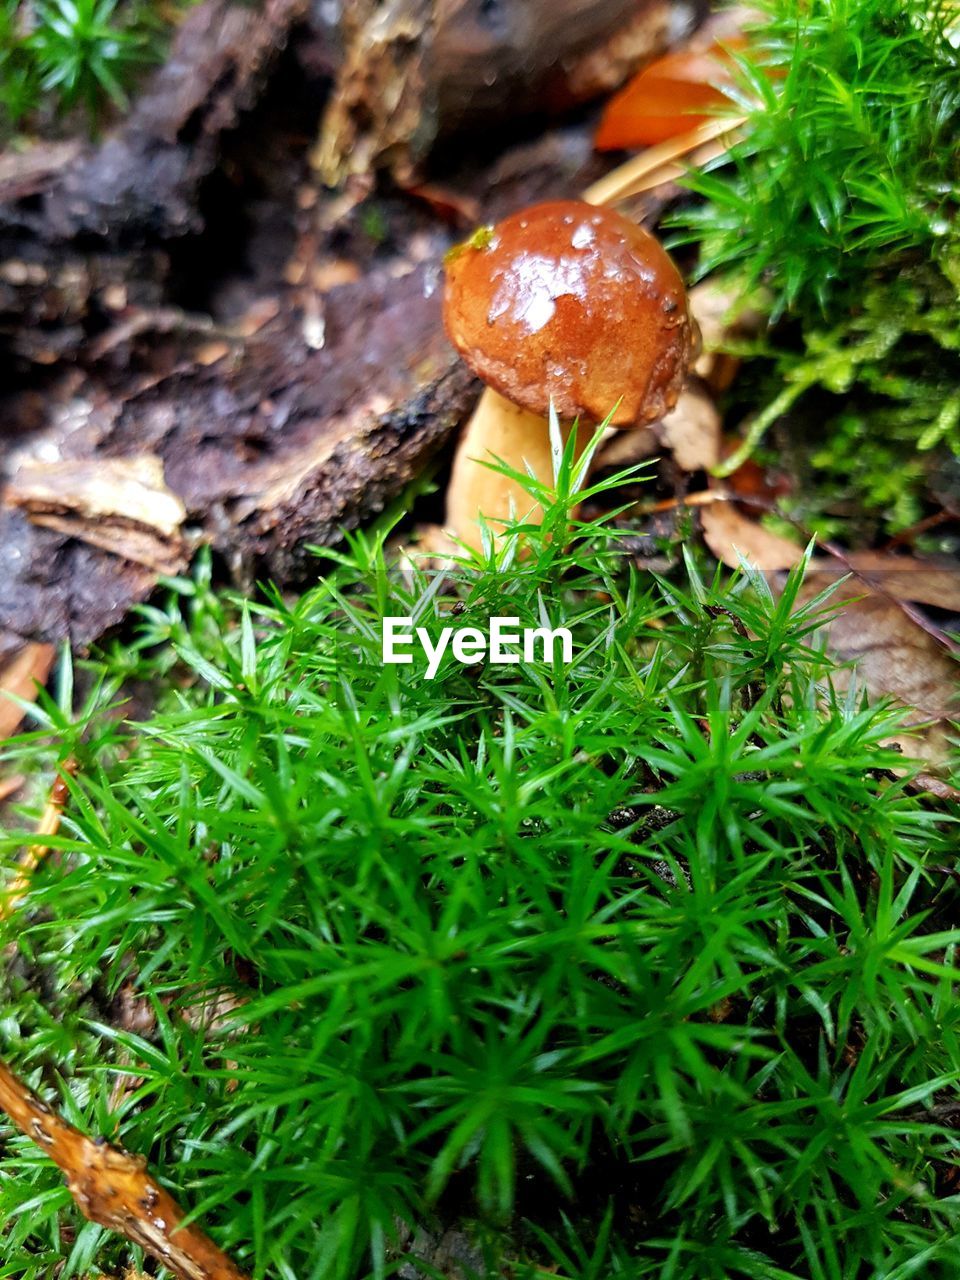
(121, 505)
(377, 106)
(141, 183)
(547, 55)
(276, 447)
(279, 443)
(79, 226)
(412, 72)
(416, 70)
(115, 1189)
(55, 586)
(25, 173)
(263, 441)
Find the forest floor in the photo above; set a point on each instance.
(640, 964)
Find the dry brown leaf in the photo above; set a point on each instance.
(895, 656)
(23, 677)
(720, 316)
(729, 534)
(691, 430)
(668, 97)
(906, 578)
(626, 448)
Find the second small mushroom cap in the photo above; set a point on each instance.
(572, 303)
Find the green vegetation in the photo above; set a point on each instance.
(847, 163)
(657, 935)
(72, 52)
(841, 202)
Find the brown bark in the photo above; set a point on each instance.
(140, 184)
(417, 70)
(274, 446)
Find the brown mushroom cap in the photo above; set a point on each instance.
(574, 303)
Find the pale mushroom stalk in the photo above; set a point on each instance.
(500, 430)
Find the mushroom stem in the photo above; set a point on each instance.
(500, 430)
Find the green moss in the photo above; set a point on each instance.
(68, 53)
(657, 935)
(478, 239)
(847, 165)
(841, 202)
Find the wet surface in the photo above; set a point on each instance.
(573, 304)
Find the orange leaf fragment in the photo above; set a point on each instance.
(669, 97)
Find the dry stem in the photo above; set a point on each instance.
(48, 825)
(659, 164)
(113, 1188)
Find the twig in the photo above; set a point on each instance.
(48, 825)
(704, 498)
(642, 172)
(113, 1188)
(922, 526)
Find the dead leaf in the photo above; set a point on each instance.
(729, 535)
(626, 448)
(907, 578)
(122, 505)
(893, 655)
(670, 96)
(23, 677)
(691, 430)
(720, 315)
(895, 652)
(894, 658)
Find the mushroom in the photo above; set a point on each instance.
(566, 303)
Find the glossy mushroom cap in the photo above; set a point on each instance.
(574, 303)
